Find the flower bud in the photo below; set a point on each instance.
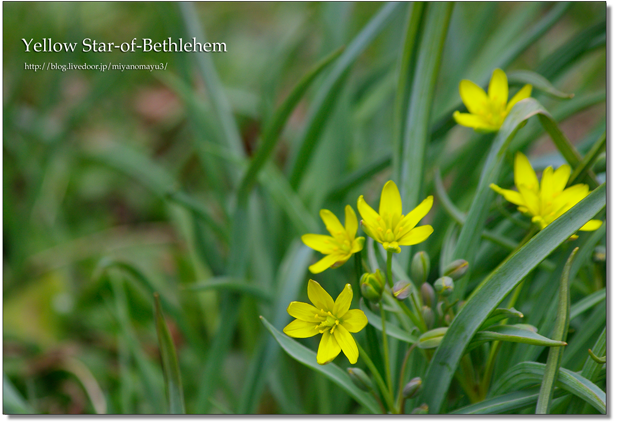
(420, 266)
(456, 269)
(429, 317)
(428, 294)
(444, 286)
(360, 379)
(422, 409)
(447, 319)
(412, 388)
(600, 254)
(368, 292)
(600, 164)
(402, 290)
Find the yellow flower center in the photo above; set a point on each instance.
(328, 322)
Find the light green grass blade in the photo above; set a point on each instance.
(501, 404)
(12, 401)
(390, 329)
(417, 129)
(331, 370)
(538, 82)
(560, 331)
(495, 288)
(514, 333)
(588, 302)
(170, 365)
(325, 100)
(529, 373)
(232, 284)
(270, 136)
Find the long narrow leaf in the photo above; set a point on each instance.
(495, 288)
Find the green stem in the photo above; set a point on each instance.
(386, 353)
(401, 383)
(389, 269)
(375, 373)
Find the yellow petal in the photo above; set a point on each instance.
(325, 263)
(416, 235)
(511, 196)
(591, 225)
(343, 302)
(303, 311)
(498, 88)
(571, 196)
(328, 349)
(354, 320)
(414, 217)
(560, 178)
(369, 215)
(473, 97)
(531, 200)
(301, 329)
(347, 343)
(350, 222)
(546, 186)
(332, 223)
(358, 244)
(524, 93)
(476, 122)
(524, 173)
(390, 205)
(321, 243)
(319, 297)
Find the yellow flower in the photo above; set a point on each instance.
(389, 227)
(342, 243)
(335, 321)
(547, 201)
(488, 112)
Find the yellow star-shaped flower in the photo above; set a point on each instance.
(390, 227)
(342, 243)
(334, 320)
(547, 200)
(487, 113)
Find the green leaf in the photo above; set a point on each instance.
(559, 333)
(590, 370)
(194, 206)
(501, 404)
(411, 153)
(324, 102)
(538, 82)
(269, 138)
(495, 288)
(514, 333)
(12, 401)
(390, 329)
(499, 314)
(529, 373)
(170, 365)
(331, 370)
(231, 284)
(581, 170)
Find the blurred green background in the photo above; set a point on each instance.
(91, 159)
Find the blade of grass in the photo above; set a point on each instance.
(331, 370)
(170, 365)
(231, 284)
(495, 288)
(579, 173)
(560, 331)
(322, 106)
(530, 373)
(591, 369)
(538, 82)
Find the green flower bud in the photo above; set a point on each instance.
(376, 280)
(412, 387)
(422, 409)
(600, 254)
(432, 338)
(402, 290)
(456, 269)
(444, 285)
(600, 164)
(447, 319)
(428, 294)
(360, 379)
(368, 292)
(420, 267)
(429, 317)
